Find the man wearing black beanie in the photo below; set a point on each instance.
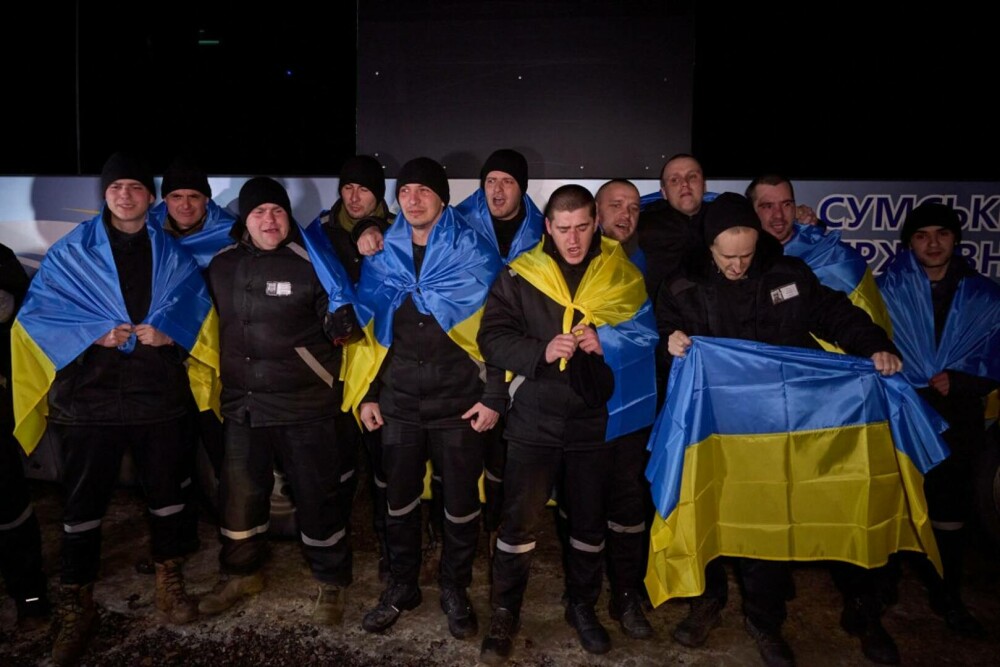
(742, 286)
(944, 319)
(125, 386)
(502, 211)
(280, 398)
(433, 398)
(188, 209)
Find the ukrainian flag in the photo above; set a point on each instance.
(839, 267)
(783, 453)
(455, 278)
(75, 298)
(970, 342)
(612, 297)
(210, 239)
(476, 213)
(331, 273)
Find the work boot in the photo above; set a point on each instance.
(863, 622)
(396, 599)
(77, 622)
(593, 637)
(462, 622)
(228, 591)
(956, 615)
(329, 609)
(626, 608)
(171, 598)
(704, 615)
(773, 648)
(499, 640)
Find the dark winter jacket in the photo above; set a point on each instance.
(279, 365)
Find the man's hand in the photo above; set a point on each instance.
(482, 417)
(149, 335)
(941, 383)
(587, 339)
(887, 363)
(678, 343)
(370, 242)
(371, 416)
(806, 215)
(561, 347)
(115, 337)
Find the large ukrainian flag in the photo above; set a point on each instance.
(783, 453)
(612, 297)
(455, 278)
(75, 298)
(331, 273)
(841, 268)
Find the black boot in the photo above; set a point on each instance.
(593, 637)
(862, 619)
(946, 594)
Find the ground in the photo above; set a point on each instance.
(273, 628)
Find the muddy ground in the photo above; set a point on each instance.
(273, 628)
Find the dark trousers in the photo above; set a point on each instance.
(20, 537)
(765, 585)
(91, 460)
(529, 477)
(456, 455)
(312, 462)
(629, 502)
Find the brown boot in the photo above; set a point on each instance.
(229, 590)
(171, 598)
(77, 622)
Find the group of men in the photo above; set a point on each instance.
(530, 349)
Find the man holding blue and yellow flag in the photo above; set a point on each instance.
(736, 485)
(572, 320)
(99, 349)
(419, 376)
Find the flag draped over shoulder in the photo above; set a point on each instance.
(784, 453)
(210, 239)
(476, 212)
(970, 342)
(612, 297)
(75, 298)
(839, 267)
(455, 278)
(331, 273)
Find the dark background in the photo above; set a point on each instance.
(819, 92)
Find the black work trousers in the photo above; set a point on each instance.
(456, 455)
(91, 460)
(530, 475)
(314, 464)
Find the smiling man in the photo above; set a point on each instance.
(280, 399)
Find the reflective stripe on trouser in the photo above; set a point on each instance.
(92, 458)
(529, 476)
(311, 459)
(456, 455)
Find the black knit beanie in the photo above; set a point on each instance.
(125, 165)
(726, 211)
(366, 172)
(424, 171)
(184, 175)
(510, 162)
(931, 215)
(262, 190)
